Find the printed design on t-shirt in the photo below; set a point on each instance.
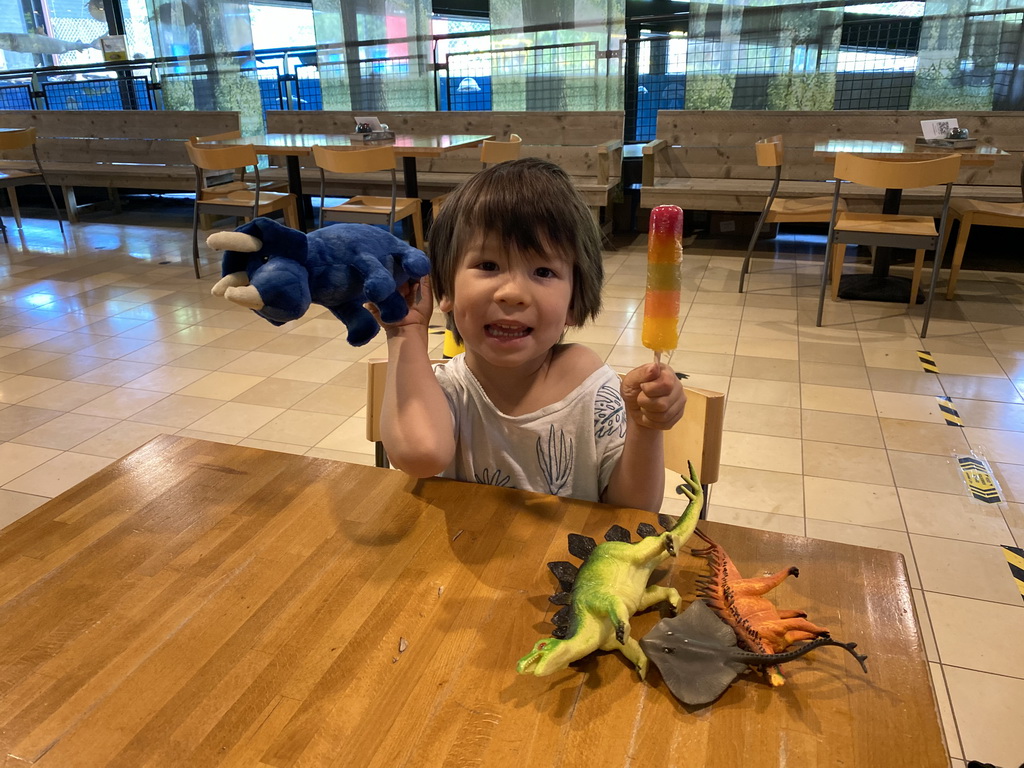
(609, 412)
(493, 478)
(555, 459)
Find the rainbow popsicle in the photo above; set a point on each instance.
(664, 279)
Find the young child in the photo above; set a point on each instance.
(515, 260)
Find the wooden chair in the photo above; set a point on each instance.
(896, 230)
(491, 153)
(238, 202)
(239, 183)
(697, 437)
(971, 212)
(783, 210)
(12, 141)
(367, 208)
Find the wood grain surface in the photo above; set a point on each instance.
(205, 604)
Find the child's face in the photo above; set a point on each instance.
(510, 308)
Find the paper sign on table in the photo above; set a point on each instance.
(938, 129)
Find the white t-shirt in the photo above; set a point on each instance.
(568, 448)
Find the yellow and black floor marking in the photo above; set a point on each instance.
(949, 412)
(978, 476)
(927, 361)
(1015, 557)
(451, 346)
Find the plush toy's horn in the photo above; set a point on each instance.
(234, 280)
(245, 296)
(234, 241)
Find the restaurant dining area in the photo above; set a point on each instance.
(205, 555)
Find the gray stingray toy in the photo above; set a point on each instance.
(697, 654)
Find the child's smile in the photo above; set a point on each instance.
(505, 330)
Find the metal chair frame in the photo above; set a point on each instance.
(14, 140)
(238, 202)
(888, 174)
(347, 161)
(769, 155)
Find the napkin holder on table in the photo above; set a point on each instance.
(949, 143)
(376, 135)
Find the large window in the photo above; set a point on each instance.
(281, 24)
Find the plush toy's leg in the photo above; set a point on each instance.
(378, 284)
(392, 308)
(360, 323)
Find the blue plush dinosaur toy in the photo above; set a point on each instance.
(278, 272)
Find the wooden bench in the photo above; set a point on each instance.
(704, 160)
(587, 145)
(112, 149)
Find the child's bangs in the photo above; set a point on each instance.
(525, 223)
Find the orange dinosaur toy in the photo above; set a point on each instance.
(759, 626)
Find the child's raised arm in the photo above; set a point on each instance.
(654, 401)
(416, 422)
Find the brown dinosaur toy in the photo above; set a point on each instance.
(759, 626)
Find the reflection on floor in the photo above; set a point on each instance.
(832, 432)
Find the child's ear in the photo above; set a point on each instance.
(444, 304)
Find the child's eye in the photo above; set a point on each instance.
(487, 266)
(544, 272)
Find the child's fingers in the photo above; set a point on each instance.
(662, 412)
(662, 384)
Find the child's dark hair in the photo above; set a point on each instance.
(531, 206)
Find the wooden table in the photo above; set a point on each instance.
(880, 285)
(206, 604)
(407, 146)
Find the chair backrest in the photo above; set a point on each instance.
(9, 140)
(894, 173)
(769, 152)
(697, 437)
(354, 160)
(500, 151)
(221, 158)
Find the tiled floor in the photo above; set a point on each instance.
(832, 432)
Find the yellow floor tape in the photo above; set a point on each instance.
(927, 361)
(978, 476)
(1015, 557)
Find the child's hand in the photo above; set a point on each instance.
(653, 396)
(420, 302)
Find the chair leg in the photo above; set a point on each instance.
(958, 254)
(56, 210)
(291, 215)
(825, 269)
(915, 281)
(3, 231)
(750, 248)
(15, 208)
(417, 227)
(838, 254)
(931, 291)
(380, 456)
(195, 239)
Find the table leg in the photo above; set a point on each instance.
(304, 202)
(412, 187)
(880, 285)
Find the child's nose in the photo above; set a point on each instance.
(512, 289)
